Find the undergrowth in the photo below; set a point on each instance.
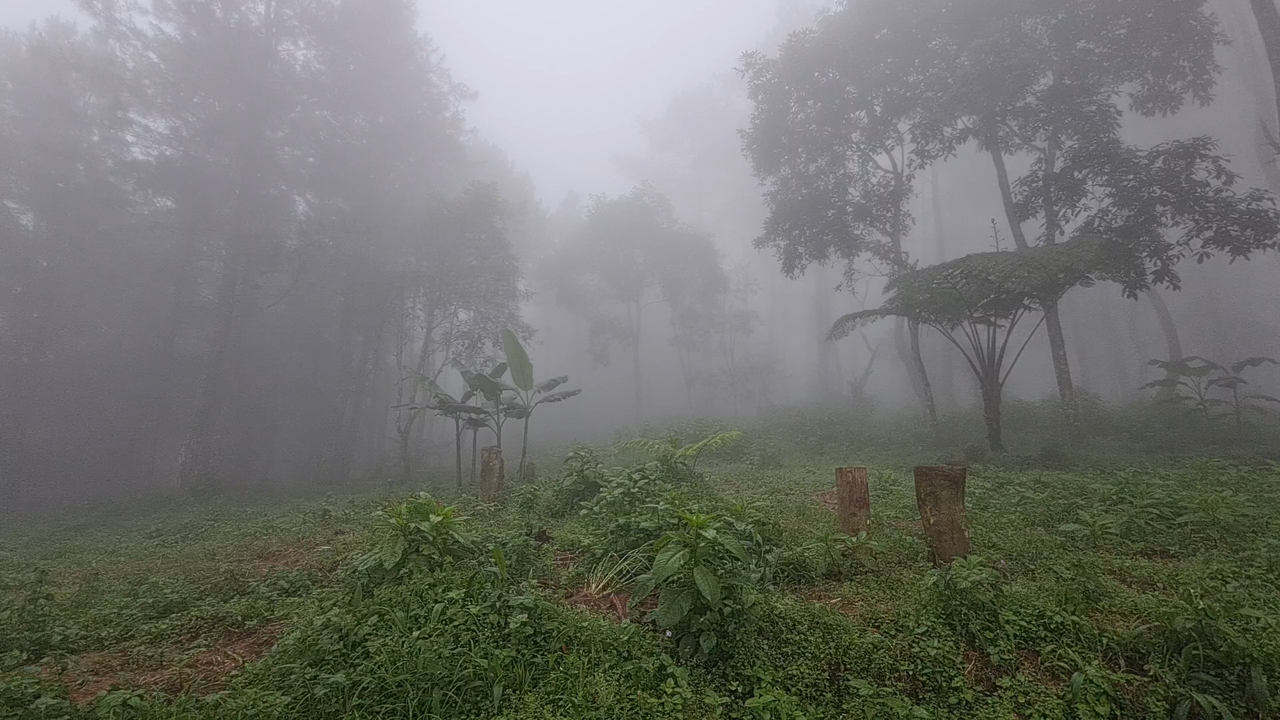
(649, 580)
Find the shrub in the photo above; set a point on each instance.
(706, 583)
(969, 594)
(418, 532)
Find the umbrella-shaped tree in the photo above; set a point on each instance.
(977, 302)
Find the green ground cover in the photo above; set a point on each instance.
(1132, 573)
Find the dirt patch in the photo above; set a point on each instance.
(979, 671)
(196, 666)
(614, 605)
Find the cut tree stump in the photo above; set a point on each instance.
(492, 473)
(853, 500)
(940, 497)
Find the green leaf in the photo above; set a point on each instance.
(673, 606)
(707, 584)
(547, 386)
(708, 642)
(1253, 362)
(498, 371)
(734, 546)
(668, 563)
(560, 396)
(518, 360)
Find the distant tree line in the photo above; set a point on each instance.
(227, 232)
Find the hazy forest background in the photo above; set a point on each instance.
(230, 231)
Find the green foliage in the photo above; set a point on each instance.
(1191, 381)
(674, 454)
(419, 533)
(633, 508)
(970, 596)
(828, 556)
(988, 289)
(1138, 588)
(706, 582)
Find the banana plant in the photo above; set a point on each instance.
(528, 395)
(464, 415)
(1194, 378)
(490, 388)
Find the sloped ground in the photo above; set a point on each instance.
(1143, 589)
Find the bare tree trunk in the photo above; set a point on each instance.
(926, 390)
(1053, 324)
(1172, 342)
(991, 402)
(1268, 19)
(198, 465)
(947, 359)
(457, 447)
(823, 385)
(635, 362)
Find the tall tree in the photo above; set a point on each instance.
(1049, 82)
(633, 253)
(832, 137)
(69, 240)
(1046, 82)
(1267, 18)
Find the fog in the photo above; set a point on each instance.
(245, 248)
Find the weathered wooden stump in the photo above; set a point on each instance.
(853, 500)
(492, 473)
(940, 497)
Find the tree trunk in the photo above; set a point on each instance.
(1057, 341)
(492, 473)
(940, 498)
(1268, 19)
(635, 364)
(406, 456)
(1061, 368)
(524, 448)
(992, 399)
(907, 346)
(853, 500)
(457, 448)
(1172, 342)
(475, 439)
(926, 390)
(823, 386)
(198, 465)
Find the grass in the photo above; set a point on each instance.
(1138, 579)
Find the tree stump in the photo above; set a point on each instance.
(940, 497)
(853, 500)
(492, 473)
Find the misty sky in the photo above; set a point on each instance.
(562, 82)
